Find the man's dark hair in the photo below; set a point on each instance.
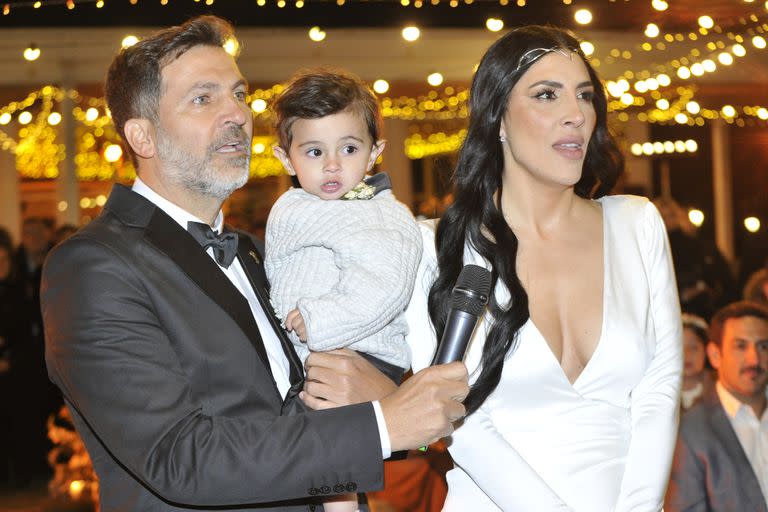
(738, 309)
(134, 80)
(317, 93)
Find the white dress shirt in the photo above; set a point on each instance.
(278, 361)
(751, 431)
(689, 396)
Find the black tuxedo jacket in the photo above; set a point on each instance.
(163, 367)
(710, 471)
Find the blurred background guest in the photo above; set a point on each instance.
(704, 280)
(697, 378)
(16, 408)
(756, 288)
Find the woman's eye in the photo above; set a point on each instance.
(547, 94)
(587, 95)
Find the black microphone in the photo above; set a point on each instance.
(468, 300)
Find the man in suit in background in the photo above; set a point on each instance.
(721, 459)
(159, 330)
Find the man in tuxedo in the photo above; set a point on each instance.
(721, 458)
(159, 329)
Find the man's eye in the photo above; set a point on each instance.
(241, 95)
(201, 100)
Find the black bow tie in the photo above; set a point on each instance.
(224, 244)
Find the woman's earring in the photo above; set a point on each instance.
(502, 138)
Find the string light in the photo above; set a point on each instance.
(583, 16)
(683, 72)
(435, 79)
(92, 114)
(113, 153)
(129, 41)
(696, 217)
(494, 24)
(752, 224)
(258, 105)
(706, 22)
(728, 111)
(725, 59)
(411, 33)
(231, 46)
(652, 30)
(380, 86)
(316, 34)
(32, 52)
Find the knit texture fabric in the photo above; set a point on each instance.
(348, 266)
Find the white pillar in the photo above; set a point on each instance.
(638, 171)
(67, 185)
(666, 180)
(10, 196)
(396, 163)
(722, 185)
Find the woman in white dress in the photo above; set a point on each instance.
(576, 364)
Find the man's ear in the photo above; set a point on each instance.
(378, 149)
(713, 352)
(281, 155)
(140, 135)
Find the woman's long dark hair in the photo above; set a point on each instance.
(476, 219)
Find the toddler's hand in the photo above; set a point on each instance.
(294, 322)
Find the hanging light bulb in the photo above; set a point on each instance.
(652, 30)
(32, 52)
(380, 86)
(411, 33)
(316, 34)
(583, 16)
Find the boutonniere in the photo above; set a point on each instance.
(360, 191)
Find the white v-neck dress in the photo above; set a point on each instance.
(603, 443)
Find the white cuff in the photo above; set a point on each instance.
(386, 445)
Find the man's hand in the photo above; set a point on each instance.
(295, 322)
(424, 407)
(342, 377)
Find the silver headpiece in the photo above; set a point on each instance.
(535, 54)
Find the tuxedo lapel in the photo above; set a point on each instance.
(166, 234)
(251, 260)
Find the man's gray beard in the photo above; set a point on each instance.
(198, 175)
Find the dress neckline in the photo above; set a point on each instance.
(600, 340)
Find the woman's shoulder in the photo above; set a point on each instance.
(628, 210)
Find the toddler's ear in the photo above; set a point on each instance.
(281, 155)
(378, 148)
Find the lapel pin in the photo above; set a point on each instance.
(255, 257)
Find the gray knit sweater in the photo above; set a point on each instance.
(348, 266)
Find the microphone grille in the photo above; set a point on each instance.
(470, 294)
